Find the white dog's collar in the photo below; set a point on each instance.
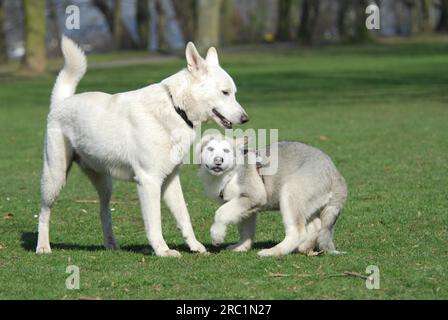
(179, 111)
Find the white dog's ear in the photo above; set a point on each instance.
(195, 63)
(212, 57)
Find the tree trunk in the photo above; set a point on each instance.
(118, 28)
(284, 20)
(143, 23)
(161, 27)
(35, 59)
(186, 15)
(54, 27)
(3, 55)
(207, 33)
(442, 26)
(308, 20)
(426, 16)
(362, 34)
(120, 34)
(342, 15)
(227, 23)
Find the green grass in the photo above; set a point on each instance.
(380, 111)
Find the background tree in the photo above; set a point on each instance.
(426, 16)
(161, 27)
(143, 23)
(228, 21)
(113, 15)
(308, 20)
(207, 33)
(3, 55)
(53, 25)
(351, 20)
(443, 22)
(35, 59)
(284, 21)
(187, 16)
(118, 28)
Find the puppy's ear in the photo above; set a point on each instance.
(195, 64)
(212, 57)
(241, 143)
(201, 144)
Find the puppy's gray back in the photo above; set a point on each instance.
(297, 163)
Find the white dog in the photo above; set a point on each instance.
(137, 136)
(306, 187)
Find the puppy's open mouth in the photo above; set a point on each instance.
(220, 119)
(214, 169)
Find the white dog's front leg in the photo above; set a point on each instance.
(231, 212)
(149, 190)
(175, 201)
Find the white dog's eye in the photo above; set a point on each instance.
(210, 149)
(225, 92)
(226, 150)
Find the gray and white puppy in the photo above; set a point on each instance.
(306, 187)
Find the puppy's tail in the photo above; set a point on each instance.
(74, 69)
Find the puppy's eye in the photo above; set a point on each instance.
(225, 92)
(226, 150)
(210, 149)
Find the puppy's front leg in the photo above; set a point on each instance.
(149, 191)
(246, 229)
(231, 212)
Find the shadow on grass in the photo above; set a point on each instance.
(29, 241)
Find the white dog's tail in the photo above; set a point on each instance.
(74, 69)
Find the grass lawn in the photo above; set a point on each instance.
(380, 111)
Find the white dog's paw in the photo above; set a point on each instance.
(43, 249)
(169, 253)
(272, 252)
(239, 247)
(218, 233)
(197, 247)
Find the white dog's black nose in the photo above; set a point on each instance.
(218, 160)
(244, 118)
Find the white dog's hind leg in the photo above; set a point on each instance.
(57, 160)
(103, 185)
(246, 229)
(149, 192)
(174, 199)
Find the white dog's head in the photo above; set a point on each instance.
(212, 90)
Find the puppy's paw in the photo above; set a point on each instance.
(169, 253)
(239, 247)
(218, 233)
(335, 252)
(272, 252)
(43, 249)
(197, 247)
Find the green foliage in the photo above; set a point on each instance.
(378, 111)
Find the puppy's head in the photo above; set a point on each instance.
(217, 154)
(212, 90)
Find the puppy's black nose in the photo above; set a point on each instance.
(244, 118)
(218, 161)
